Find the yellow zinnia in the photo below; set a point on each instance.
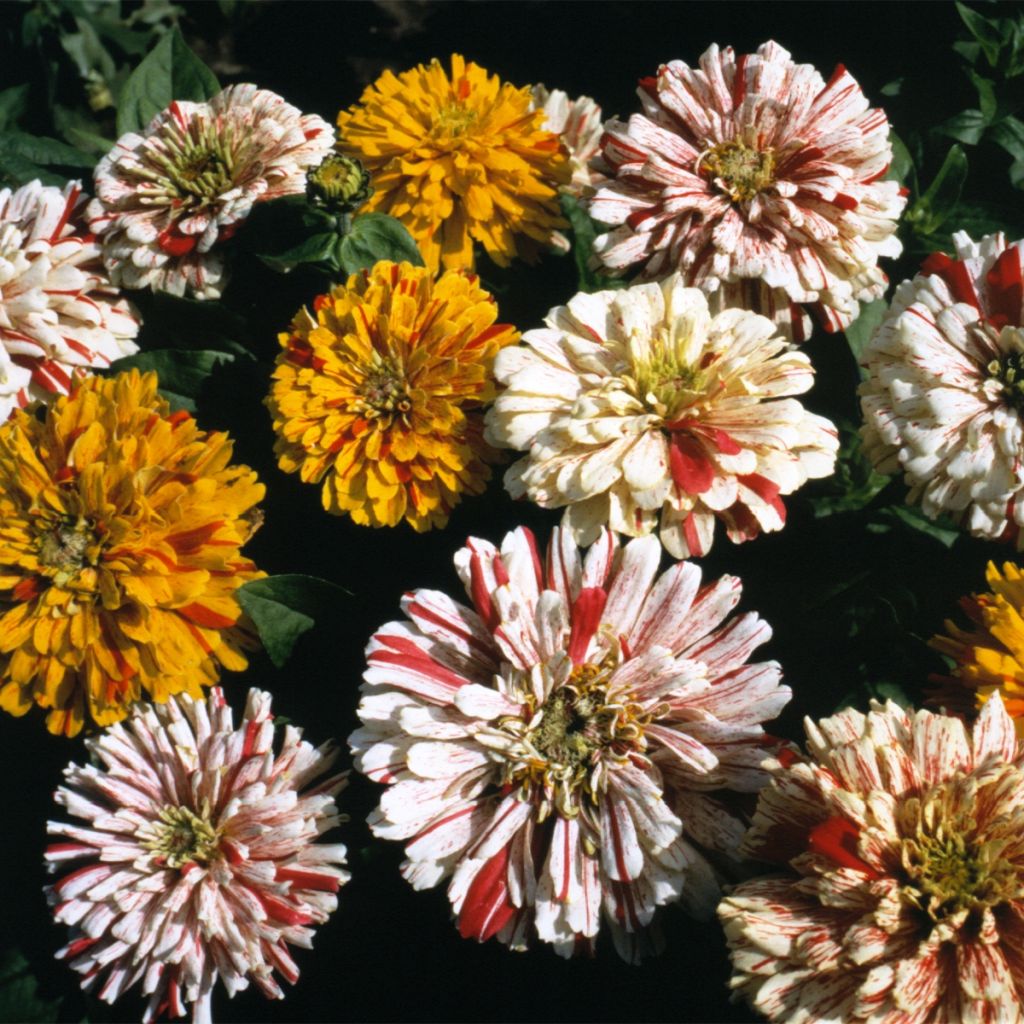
(459, 158)
(120, 529)
(989, 656)
(380, 394)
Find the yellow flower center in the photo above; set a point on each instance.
(953, 868)
(384, 390)
(739, 170)
(1008, 369)
(453, 120)
(579, 727)
(182, 836)
(661, 377)
(67, 545)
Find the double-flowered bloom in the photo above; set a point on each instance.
(565, 749)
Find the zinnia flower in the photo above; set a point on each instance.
(380, 394)
(578, 124)
(758, 180)
(989, 653)
(564, 749)
(458, 159)
(120, 530)
(167, 197)
(904, 838)
(59, 315)
(198, 857)
(945, 390)
(635, 401)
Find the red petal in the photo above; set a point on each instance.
(487, 908)
(1005, 287)
(174, 243)
(691, 469)
(586, 617)
(836, 838)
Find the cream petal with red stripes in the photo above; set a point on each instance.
(759, 181)
(902, 838)
(642, 411)
(944, 398)
(60, 317)
(547, 748)
(198, 859)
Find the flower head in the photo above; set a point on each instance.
(197, 857)
(639, 403)
(578, 124)
(59, 315)
(757, 179)
(120, 530)
(458, 158)
(379, 395)
(989, 654)
(564, 748)
(903, 834)
(168, 196)
(945, 389)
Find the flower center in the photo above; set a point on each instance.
(383, 390)
(67, 547)
(739, 170)
(561, 751)
(1009, 371)
(182, 836)
(661, 377)
(453, 119)
(952, 868)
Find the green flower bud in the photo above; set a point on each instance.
(340, 184)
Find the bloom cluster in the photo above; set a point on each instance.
(579, 744)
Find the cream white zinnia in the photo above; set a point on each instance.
(641, 410)
(901, 839)
(169, 196)
(944, 397)
(759, 180)
(59, 314)
(562, 750)
(194, 856)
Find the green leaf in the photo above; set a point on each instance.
(941, 529)
(282, 608)
(16, 170)
(984, 30)
(859, 333)
(902, 165)
(986, 89)
(584, 231)
(939, 201)
(1009, 133)
(13, 103)
(854, 483)
(318, 248)
(374, 237)
(80, 131)
(182, 372)
(192, 323)
(966, 127)
(19, 998)
(892, 88)
(43, 151)
(171, 71)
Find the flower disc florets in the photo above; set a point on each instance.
(197, 853)
(756, 179)
(59, 315)
(562, 749)
(121, 525)
(942, 401)
(458, 158)
(380, 395)
(168, 196)
(903, 835)
(641, 410)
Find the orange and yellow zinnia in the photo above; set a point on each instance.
(988, 656)
(380, 394)
(459, 158)
(120, 529)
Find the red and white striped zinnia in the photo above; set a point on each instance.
(561, 749)
(903, 837)
(59, 314)
(757, 179)
(169, 196)
(577, 122)
(197, 856)
(944, 398)
(640, 410)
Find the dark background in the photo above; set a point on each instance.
(846, 604)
